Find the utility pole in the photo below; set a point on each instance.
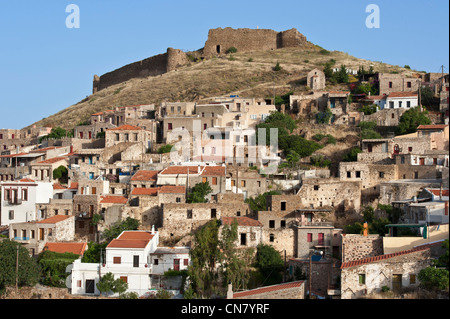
(17, 268)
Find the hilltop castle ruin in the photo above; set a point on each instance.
(218, 42)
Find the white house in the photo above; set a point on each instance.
(19, 199)
(127, 257)
(169, 258)
(406, 100)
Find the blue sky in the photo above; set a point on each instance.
(46, 67)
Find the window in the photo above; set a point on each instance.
(178, 199)
(283, 205)
(24, 194)
(410, 149)
(408, 104)
(358, 174)
(412, 279)
(381, 174)
(169, 126)
(124, 278)
(283, 224)
(309, 237)
(136, 261)
(391, 104)
(214, 180)
(233, 182)
(213, 213)
(390, 85)
(117, 260)
(242, 183)
(349, 174)
(362, 279)
(271, 238)
(11, 214)
(271, 224)
(186, 262)
(155, 262)
(189, 214)
(408, 84)
(204, 179)
(321, 238)
(316, 187)
(243, 239)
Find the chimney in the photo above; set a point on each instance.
(230, 291)
(153, 229)
(365, 230)
(446, 208)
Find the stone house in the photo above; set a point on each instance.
(248, 182)
(144, 179)
(388, 83)
(249, 231)
(406, 100)
(43, 170)
(395, 271)
(385, 116)
(128, 134)
(34, 235)
(177, 108)
(316, 79)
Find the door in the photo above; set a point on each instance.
(176, 264)
(396, 283)
(90, 286)
(320, 239)
(396, 149)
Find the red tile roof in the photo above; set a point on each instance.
(369, 260)
(67, 247)
(27, 180)
(145, 191)
(58, 186)
(242, 221)
(13, 155)
(131, 239)
(113, 199)
(73, 186)
(213, 171)
(144, 175)
(436, 191)
(126, 127)
(181, 170)
(54, 219)
(432, 127)
(403, 94)
(170, 189)
(52, 160)
(264, 290)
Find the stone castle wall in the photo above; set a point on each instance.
(152, 66)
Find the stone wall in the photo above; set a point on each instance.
(246, 40)
(356, 247)
(152, 66)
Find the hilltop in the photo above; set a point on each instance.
(248, 74)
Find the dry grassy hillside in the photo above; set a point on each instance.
(247, 74)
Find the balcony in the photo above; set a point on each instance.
(21, 238)
(15, 201)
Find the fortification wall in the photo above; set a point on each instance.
(152, 66)
(245, 40)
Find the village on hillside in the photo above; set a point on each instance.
(193, 199)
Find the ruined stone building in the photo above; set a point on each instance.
(316, 79)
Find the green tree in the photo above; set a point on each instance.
(92, 254)
(411, 119)
(116, 229)
(434, 278)
(199, 193)
(234, 263)
(324, 117)
(231, 50)
(342, 75)
(369, 109)
(61, 174)
(53, 266)
(108, 284)
(166, 149)
(258, 203)
(277, 67)
(269, 263)
(28, 271)
(205, 255)
(298, 144)
(443, 260)
(352, 155)
(292, 157)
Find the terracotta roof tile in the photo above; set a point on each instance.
(59, 186)
(437, 191)
(242, 221)
(67, 247)
(145, 191)
(73, 186)
(52, 160)
(27, 180)
(131, 239)
(432, 127)
(264, 290)
(173, 170)
(213, 171)
(403, 94)
(144, 175)
(126, 127)
(113, 199)
(170, 189)
(368, 260)
(54, 219)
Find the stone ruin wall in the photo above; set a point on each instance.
(152, 66)
(243, 39)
